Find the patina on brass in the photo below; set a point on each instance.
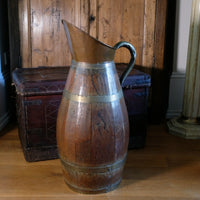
(93, 99)
(92, 122)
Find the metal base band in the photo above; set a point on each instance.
(93, 179)
(92, 191)
(93, 169)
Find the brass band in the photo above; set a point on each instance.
(98, 66)
(93, 99)
(93, 190)
(93, 169)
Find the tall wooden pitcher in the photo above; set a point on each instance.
(92, 123)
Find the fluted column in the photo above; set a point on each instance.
(188, 125)
(191, 102)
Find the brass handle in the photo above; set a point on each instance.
(132, 51)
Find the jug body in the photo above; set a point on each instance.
(92, 122)
(92, 128)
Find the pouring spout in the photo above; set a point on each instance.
(68, 36)
(85, 48)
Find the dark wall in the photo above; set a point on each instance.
(5, 76)
(4, 36)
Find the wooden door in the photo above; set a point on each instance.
(43, 41)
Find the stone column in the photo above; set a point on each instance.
(188, 125)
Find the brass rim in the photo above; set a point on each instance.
(97, 66)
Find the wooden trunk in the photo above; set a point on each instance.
(38, 98)
(39, 92)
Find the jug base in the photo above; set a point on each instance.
(93, 179)
(93, 191)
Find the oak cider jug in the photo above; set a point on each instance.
(92, 122)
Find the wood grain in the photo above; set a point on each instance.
(140, 22)
(84, 15)
(158, 104)
(160, 24)
(133, 25)
(46, 28)
(14, 33)
(93, 12)
(167, 168)
(149, 31)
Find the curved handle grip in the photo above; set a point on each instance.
(132, 61)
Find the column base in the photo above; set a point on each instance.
(184, 130)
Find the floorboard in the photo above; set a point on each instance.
(168, 168)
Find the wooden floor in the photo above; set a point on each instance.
(168, 168)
